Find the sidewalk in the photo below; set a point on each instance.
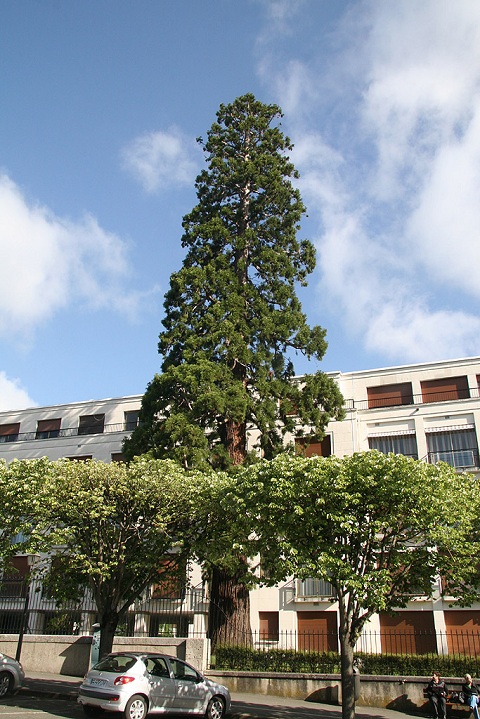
(58, 686)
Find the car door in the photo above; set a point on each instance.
(162, 686)
(191, 692)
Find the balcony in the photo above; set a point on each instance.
(308, 590)
(67, 432)
(414, 400)
(458, 458)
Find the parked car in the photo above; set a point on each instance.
(11, 675)
(137, 683)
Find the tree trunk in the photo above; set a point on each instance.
(108, 625)
(348, 676)
(235, 436)
(229, 610)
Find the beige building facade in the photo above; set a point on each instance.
(430, 411)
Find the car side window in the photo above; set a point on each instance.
(183, 671)
(158, 668)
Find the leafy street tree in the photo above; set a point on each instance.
(233, 319)
(377, 527)
(117, 529)
(21, 505)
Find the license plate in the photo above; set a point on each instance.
(98, 682)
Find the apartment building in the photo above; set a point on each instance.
(80, 430)
(429, 411)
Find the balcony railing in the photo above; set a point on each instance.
(416, 399)
(458, 458)
(307, 590)
(68, 432)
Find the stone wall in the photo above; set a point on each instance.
(70, 655)
(403, 694)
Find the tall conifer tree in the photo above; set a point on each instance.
(233, 320)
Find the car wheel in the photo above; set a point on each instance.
(5, 684)
(136, 707)
(215, 708)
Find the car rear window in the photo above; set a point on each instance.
(115, 664)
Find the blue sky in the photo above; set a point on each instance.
(101, 102)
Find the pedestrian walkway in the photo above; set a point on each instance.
(243, 705)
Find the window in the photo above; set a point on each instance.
(48, 428)
(157, 667)
(314, 588)
(183, 671)
(131, 420)
(397, 443)
(408, 632)
(172, 578)
(268, 626)
(458, 447)
(81, 457)
(317, 631)
(9, 432)
(309, 448)
(463, 630)
(15, 578)
(390, 395)
(442, 390)
(117, 457)
(91, 424)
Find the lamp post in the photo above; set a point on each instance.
(26, 607)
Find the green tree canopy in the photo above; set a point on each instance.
(21, 505)
(118, 528)
(378, 527)
(232, 316)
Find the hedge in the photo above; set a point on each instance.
(290, 661)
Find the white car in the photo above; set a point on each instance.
(139, 683)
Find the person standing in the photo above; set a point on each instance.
(470, 692)
(437, 694)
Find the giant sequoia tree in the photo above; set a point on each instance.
(233, 320)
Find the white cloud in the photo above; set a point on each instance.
(162, 159)
(13, 395)
(48, 263)
(422, 74)
(444, 228)
(391, 172)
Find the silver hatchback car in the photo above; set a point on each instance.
(139, 683)
(11, 675)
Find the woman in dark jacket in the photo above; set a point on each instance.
(470, 692)
(437, 694)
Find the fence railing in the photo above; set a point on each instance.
(413, 399)
(67, 432)
(25, 608)
(458, 458)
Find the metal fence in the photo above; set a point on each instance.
(26, 609)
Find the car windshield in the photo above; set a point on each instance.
(116, 664)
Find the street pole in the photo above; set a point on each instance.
(24, 622)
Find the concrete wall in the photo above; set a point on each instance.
(399, 693)
(70, 655)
